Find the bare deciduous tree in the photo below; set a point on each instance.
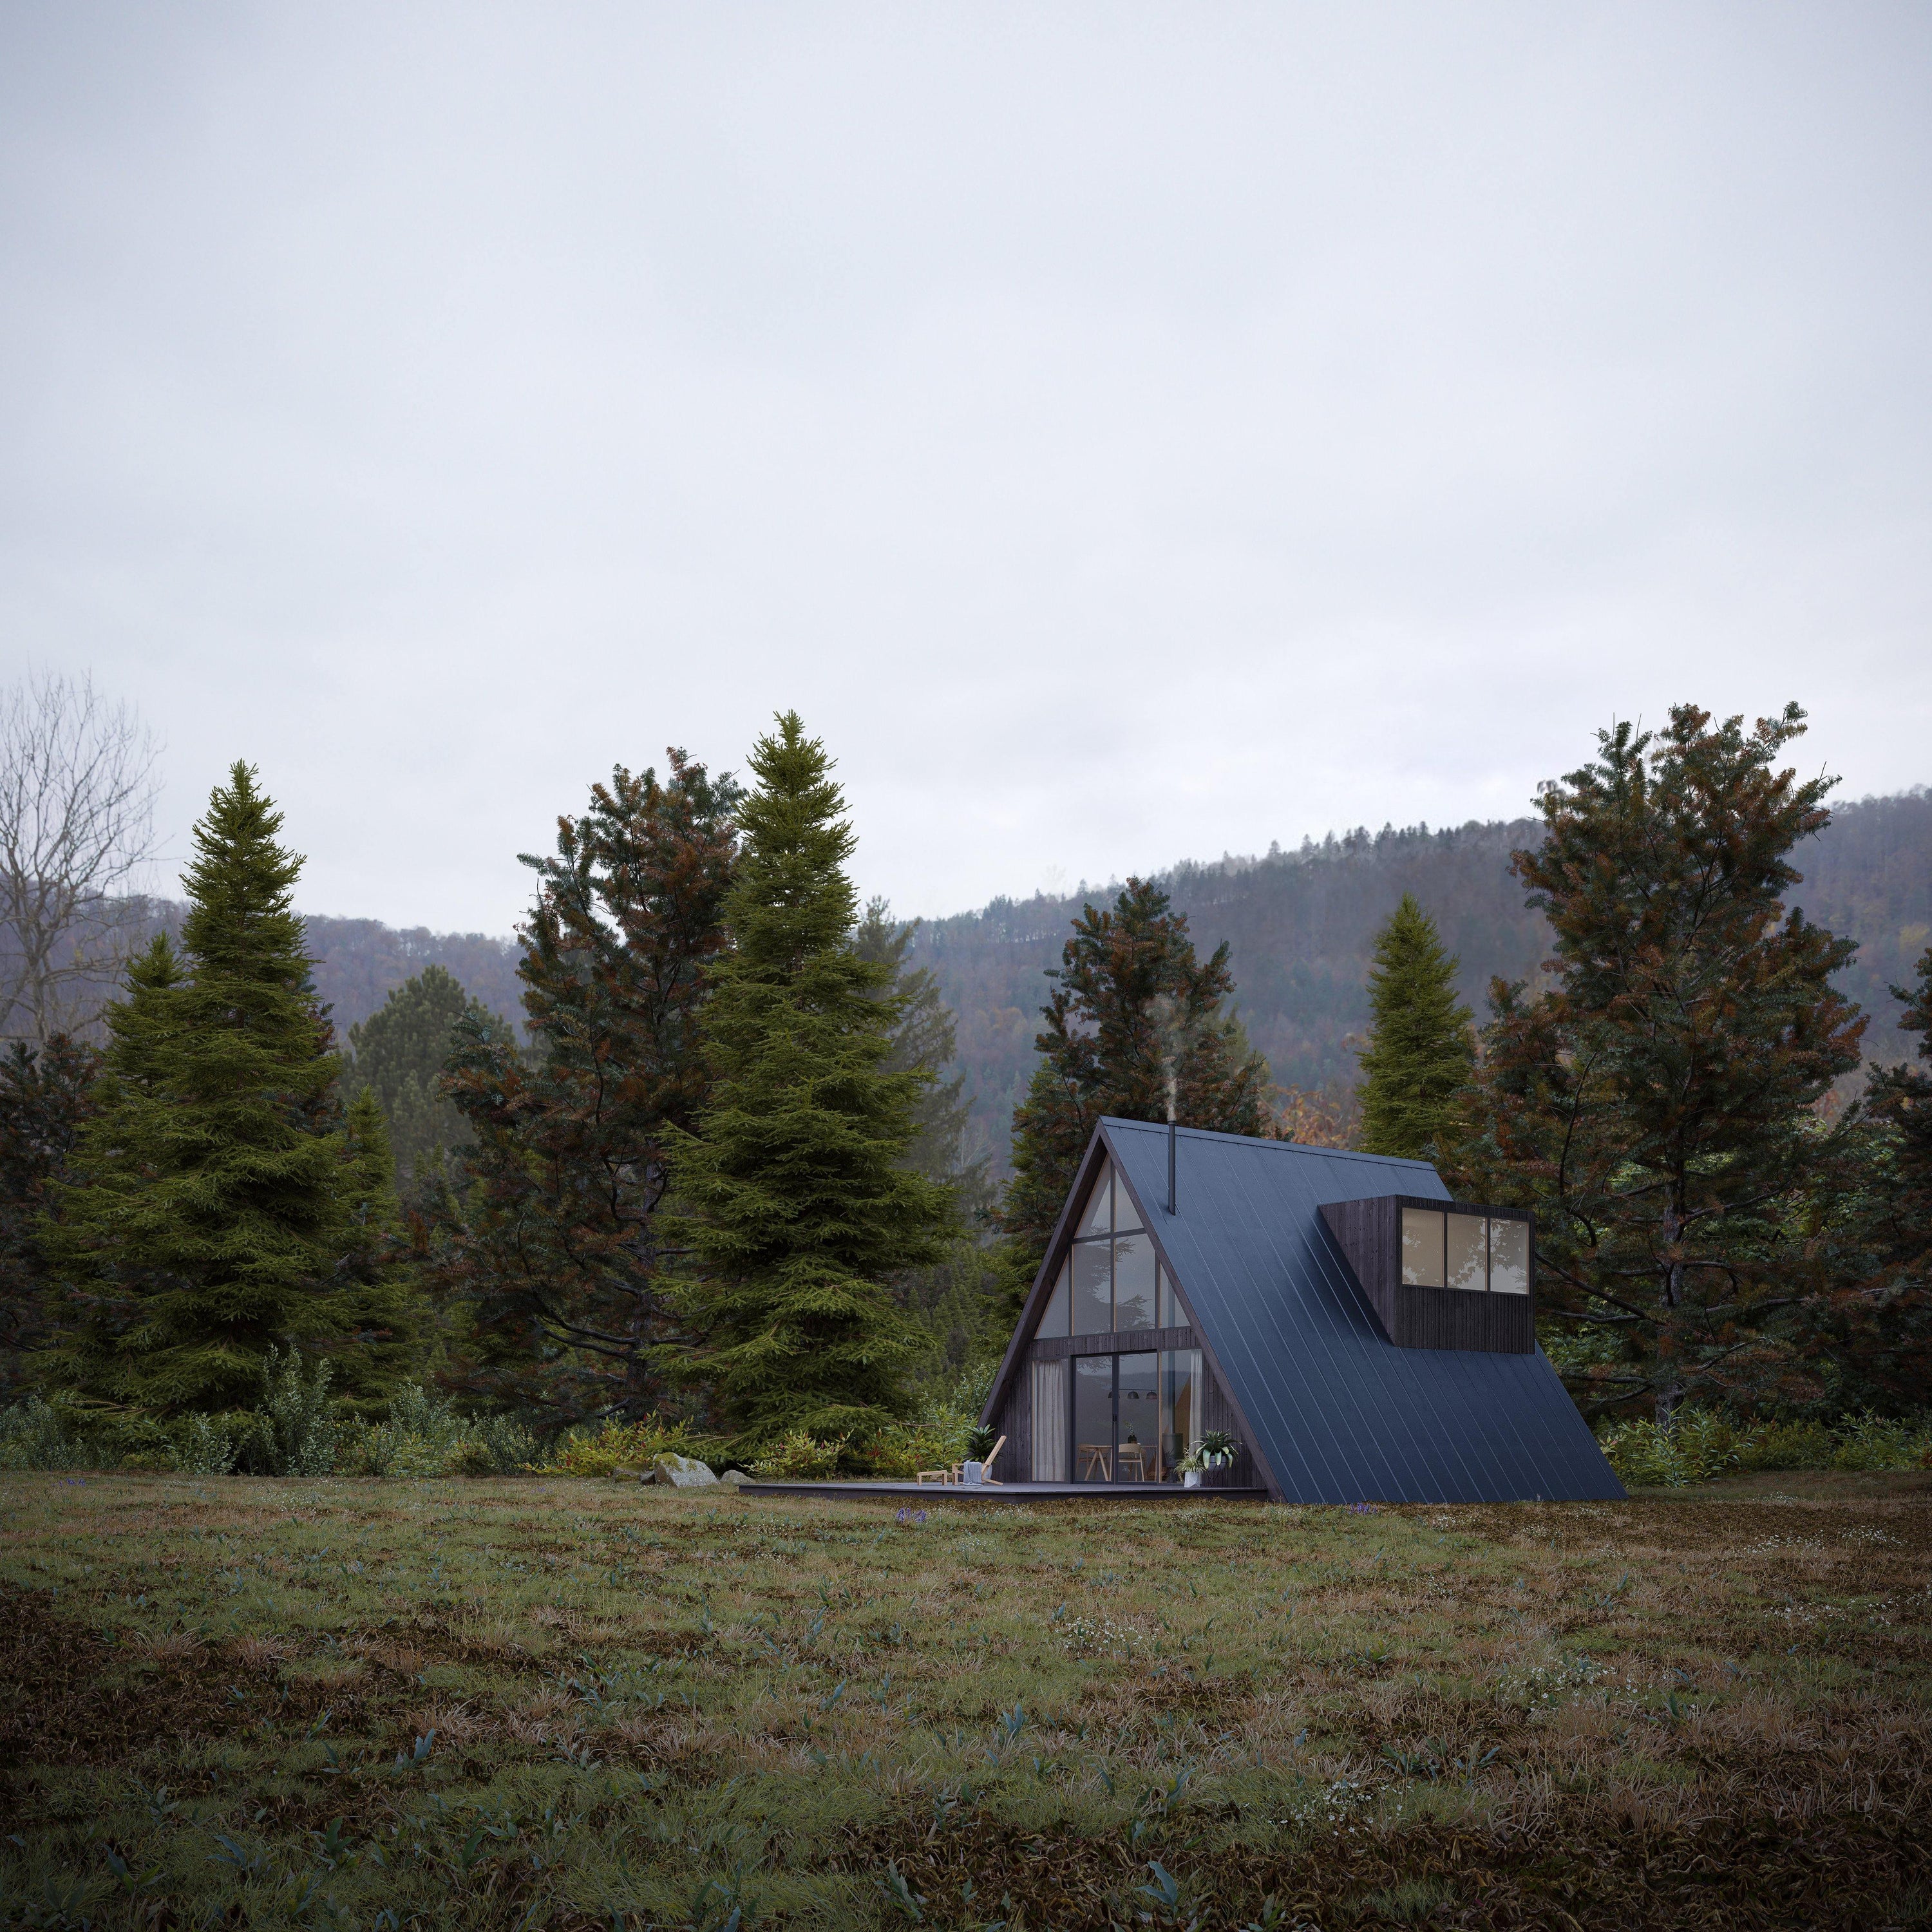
(77, 791)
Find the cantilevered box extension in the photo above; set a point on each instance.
(1442, 1274)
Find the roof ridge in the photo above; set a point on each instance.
(1256, 1141)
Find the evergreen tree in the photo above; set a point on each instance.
(46, 1095)
(801, 1207)
(549, 1247)
(400, 1055)
(377, 1307)
(1421, 1051)
(1657, 1104)
(1887, 1319)
(206, 1221)
(958, 1299)
(1136, 1025)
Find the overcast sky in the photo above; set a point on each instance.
(1124, 433)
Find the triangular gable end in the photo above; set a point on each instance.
(1099, 1156)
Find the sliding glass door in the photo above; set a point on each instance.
(1118, 1420)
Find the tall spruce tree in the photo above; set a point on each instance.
(377, 1310)
(958, 1299)
(400, 1054)
(800, 1205)
(1657, 1105)
(1421, 1050)
(1135, 1020)
(47, 1094)
(549, 1248)
(1886, 1314)
(207, 1219)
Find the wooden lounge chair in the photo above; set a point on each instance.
(955, 1472)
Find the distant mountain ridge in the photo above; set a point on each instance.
(1299, 925)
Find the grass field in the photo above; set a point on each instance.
(574, 1705)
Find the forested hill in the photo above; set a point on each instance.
(1299, 925)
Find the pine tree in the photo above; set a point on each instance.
(47, 1094)
(1657, 1104)
(959, 1299)
(800, 1205)
(207, 1220)
(401, 1054)
(549, 1248)
(1421, 1051)
(1886, 1315)
(376, 1308)
(1135, 1024)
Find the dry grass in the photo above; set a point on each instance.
(377, 1705)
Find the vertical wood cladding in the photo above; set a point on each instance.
(1014, 1421)
(1369, 1234)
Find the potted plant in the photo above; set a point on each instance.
(1215, 1450)
(979, 1440)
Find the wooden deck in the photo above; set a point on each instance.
(1009, 1492)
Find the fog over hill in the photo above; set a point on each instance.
(1299, 925)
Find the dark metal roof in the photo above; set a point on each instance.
(1336, 1412)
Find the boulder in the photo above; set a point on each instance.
(680, 1472)
(737, 1478)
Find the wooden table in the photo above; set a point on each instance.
(1096, 1460)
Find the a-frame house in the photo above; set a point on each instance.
(1360, 1335)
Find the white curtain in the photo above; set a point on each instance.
(1049, 1422)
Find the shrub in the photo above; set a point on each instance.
(302, 1425)
(202, 1445)
(1870, 1442)
(1698, 1448)
(797, 1458)
(424, 1437)
(613, 1445)
(35, 1435)
(898, 1454)
(1788, 1445)
(1705, 1444)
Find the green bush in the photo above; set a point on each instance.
(423, 1437)
(303, 1428)
(1870, 1442)
(602, 1450)
(898, 1454)
(202, 1445)
(35, 1435)
(1699, 1447)
(1788, 1445)
(798, 1459)
(1705, 1444)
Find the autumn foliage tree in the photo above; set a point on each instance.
(1136, 1022)
(549, 1243)
(1658, 1104)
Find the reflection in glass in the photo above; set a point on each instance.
(1180, 1409)
(1422, 1247)
(1169, 1316)
(1095, 1220)
(1093, 1418)
(1137, 1451)
(1509, 1257)
(1469, 1256)
(1125, 1218)
(1093, 1288)
(1055, 1320)
(1133, 1281)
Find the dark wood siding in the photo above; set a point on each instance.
(1129, 1342)
(1369, 1234)
(1218, 1412)
(1014, 1421)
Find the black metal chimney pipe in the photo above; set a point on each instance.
(1170, 1166)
